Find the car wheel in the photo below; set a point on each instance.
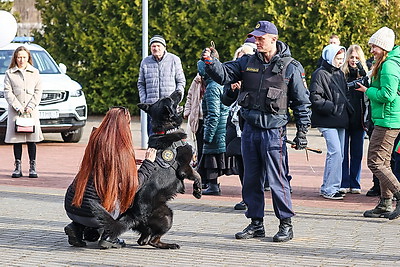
(72, 136)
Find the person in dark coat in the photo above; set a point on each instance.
(354, 69)
(213, 161)
(331, 112)
(107, 175)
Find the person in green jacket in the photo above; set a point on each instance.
(384, 95)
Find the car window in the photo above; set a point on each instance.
(41, 61)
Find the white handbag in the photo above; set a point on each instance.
(25, 124)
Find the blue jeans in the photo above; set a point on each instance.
(351, 167)
(264, 153)
(334, 157)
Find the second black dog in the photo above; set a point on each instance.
(149, 214)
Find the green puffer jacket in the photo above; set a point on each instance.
(384, 92)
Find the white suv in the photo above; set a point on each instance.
(63, 106)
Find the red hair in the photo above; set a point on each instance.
(109, 160)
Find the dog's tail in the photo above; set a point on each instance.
(112, 228)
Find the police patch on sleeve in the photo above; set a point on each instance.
(167, 155)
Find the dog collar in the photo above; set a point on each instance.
(160, 133)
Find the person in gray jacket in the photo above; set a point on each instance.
(160, 74)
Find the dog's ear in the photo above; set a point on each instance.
(176, 96)
(144, 107)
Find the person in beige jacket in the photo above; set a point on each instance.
(23, 92)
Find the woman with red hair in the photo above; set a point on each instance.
(108, 175)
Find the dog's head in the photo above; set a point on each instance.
(163, 113)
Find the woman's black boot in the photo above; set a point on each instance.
(32, 169)
(74, 231)
(17, 172)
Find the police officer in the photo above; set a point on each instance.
(272, 81)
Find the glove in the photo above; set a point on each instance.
(300, 139)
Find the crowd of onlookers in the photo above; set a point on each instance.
(237, 114)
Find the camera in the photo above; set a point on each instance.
(353, 85)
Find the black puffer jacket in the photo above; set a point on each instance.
(144, 172)
(328, 95)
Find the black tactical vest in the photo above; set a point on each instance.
(264, 87)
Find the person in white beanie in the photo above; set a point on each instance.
(385, 112)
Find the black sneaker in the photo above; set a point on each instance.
(91, 234)
(240, 206)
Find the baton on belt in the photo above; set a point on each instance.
(319, 151)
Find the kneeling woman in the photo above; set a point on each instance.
(108, 175)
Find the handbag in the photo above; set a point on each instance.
(25, 124)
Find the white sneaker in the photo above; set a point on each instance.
(344, 190)
(355, 191)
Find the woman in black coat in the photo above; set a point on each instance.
(331, 112)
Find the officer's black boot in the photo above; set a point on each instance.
(17, 172)
(396, 213)
(32, 169)
(285, 232)
(254, 229)
(74, 231)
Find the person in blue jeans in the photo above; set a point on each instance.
(331, 112)
(354, 70)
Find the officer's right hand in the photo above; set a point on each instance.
(206, 53)
(206, 56)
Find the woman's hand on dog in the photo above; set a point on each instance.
(150, 154)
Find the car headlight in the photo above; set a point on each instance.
(1, 94)
(76, 93)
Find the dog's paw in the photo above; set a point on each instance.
(197, 192)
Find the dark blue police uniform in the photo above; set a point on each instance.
(268, 89)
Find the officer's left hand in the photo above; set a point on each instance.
(300, 140)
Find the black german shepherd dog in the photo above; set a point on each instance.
(149, 214)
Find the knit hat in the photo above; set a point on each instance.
(384, 38)
(263, 27)
(158, 39)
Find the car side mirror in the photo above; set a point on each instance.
(63, 68)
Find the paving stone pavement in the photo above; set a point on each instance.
(327, 233)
